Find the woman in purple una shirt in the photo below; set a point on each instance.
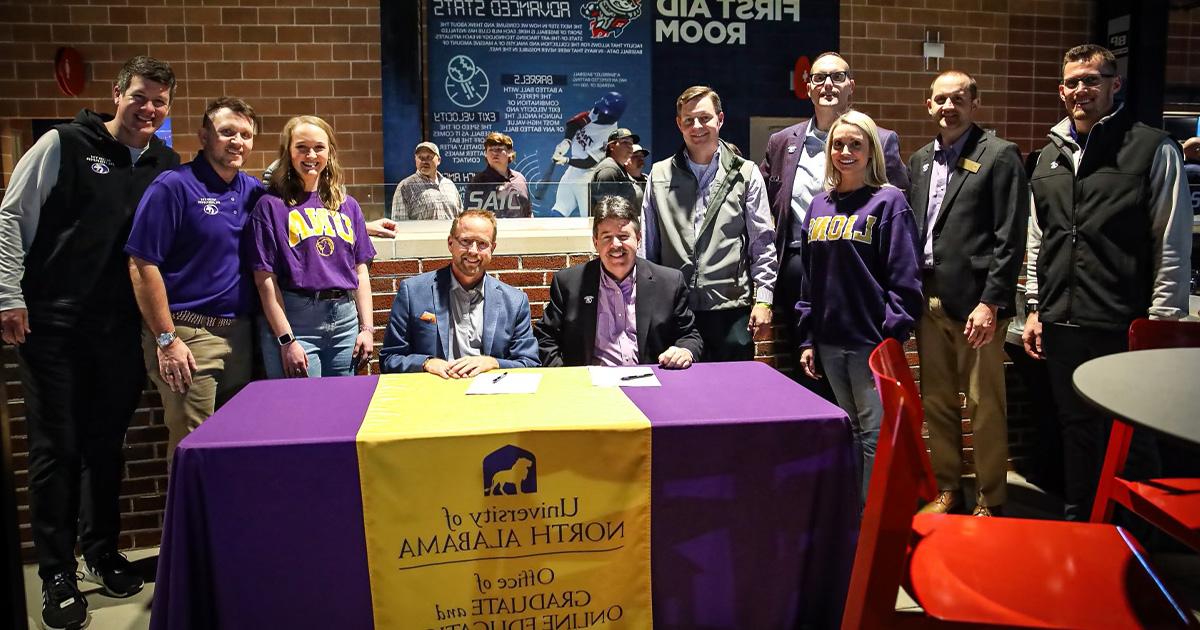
(861, 278)
(309, 250)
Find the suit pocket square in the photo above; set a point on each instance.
(429, 317)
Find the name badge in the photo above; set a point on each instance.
(970, 165)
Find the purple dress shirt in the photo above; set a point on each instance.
(616, 321)
(945, 159)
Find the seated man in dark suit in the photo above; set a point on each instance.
(618, 309)
(459, 322)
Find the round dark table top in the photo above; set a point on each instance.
(1155, 389)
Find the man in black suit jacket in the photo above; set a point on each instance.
(618, 309)
(794, 169)
(970, 196)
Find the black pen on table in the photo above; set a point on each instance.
(632, 377)
(497, 379)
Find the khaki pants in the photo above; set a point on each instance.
(223, 363)
(948, 366)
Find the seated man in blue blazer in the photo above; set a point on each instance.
(618, 309)
(459, 322)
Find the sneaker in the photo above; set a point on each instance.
(63, 606)
(115, 574)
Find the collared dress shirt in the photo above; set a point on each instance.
(616, 321)
(466, 314)
(945, 159)
(810, 178)
(420, 198)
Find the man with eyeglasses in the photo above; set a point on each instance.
(499, 187)
(970, 198)
(705, 213)
(794, 169)
(67, 304)
(459, 322)
(608, 178)
(1109, 242)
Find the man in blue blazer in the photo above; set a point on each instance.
(459, 322)
(794, 168)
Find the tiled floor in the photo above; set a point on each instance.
(1182, 570)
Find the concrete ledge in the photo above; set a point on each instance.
(427, 239)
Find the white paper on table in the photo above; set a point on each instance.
(512, 383)
(603, 376)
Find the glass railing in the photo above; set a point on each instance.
(421, 201)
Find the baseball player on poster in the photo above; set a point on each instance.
(584, 138)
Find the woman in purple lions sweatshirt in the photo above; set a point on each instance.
(308, 247)
(862, 281)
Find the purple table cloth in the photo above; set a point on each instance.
(754, 509)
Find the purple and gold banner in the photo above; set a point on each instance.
(506, 511)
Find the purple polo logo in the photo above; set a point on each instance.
(608, 18)
(99, 168)
(509, 470)
(210, 209)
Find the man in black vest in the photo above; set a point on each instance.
(1109, 242)
(66, 302)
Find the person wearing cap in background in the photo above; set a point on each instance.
(499, 188)
(426, 194)
(609, 178)
(636, 165)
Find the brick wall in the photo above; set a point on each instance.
(1012, 47)
(324, 58)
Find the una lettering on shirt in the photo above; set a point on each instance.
(945, 160)
(842, 227)
(616, 321)
(466, 313)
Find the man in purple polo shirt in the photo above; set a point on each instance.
(187, 274)
(618, 309)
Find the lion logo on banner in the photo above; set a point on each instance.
(608, 18)
(509, 470)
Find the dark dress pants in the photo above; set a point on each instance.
(81, 390)
(1085, 428)
(725, 335)
(787, 293)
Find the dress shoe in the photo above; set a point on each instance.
(945, 501)
(986, 510)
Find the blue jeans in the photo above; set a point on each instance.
(854, 387)
(326, 329)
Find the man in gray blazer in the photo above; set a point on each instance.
(459, 322)
(970, 197)
(794, 169)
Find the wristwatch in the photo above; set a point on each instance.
(1031, 307)
(285, 339)
(165, 339)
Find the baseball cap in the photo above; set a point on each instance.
(621, 134)
(637, 148)
(428, 145)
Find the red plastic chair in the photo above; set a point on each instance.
(1172, 505)
(995, 572)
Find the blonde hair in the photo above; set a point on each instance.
(876, 175)
(285, 182)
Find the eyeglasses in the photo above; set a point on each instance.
(497, 149)
(1090, 80)
(819, 78)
